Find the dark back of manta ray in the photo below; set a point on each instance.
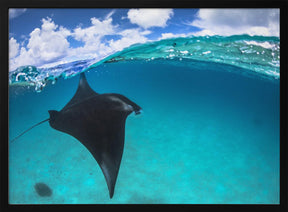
(98, 122)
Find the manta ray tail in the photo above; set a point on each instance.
(30, 128)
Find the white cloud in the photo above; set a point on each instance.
(93, 33)
(92, 36)
(45, 45)
(238, 21)
(110, 14)
(48, 44)
(13, 48)
(13, 13)
(130, 36)
(147, 18)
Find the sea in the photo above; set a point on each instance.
(208, 133)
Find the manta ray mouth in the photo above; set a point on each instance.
(137, 112)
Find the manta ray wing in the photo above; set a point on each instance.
(84, 91)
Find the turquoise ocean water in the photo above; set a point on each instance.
(208, 134)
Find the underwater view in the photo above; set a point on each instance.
(208, 131)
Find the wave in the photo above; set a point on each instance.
(257, 54)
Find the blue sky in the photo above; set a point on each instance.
(46, 37)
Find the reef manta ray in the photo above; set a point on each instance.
(98, 122)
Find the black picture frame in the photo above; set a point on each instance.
(281, 4)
